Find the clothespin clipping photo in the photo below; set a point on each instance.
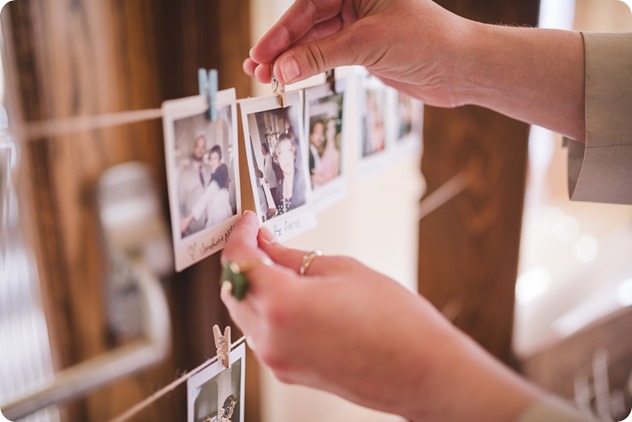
(278, 89)
(330, 79)
(207, 82)
(222, 343)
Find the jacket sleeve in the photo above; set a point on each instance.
(601, 169)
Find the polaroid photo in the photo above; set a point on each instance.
(407, 127)
(202, 175)
(217, 394)
(324, 125)
(374, 126)
(277, 152)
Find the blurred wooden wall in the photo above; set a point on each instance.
(469, 248)
(84, 57)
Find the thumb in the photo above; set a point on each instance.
(306, 60)
(281, 255)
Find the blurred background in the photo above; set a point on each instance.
(481, 224)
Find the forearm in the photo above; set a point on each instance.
(468, 384)
(533, 75)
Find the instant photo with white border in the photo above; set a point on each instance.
(202, 162)
(216, 392)
(407, 116)
(276, 149)
(374, 145)
(325, 122)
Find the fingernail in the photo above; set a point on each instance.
(267, 235)
(227, 287)
(289, 69)
(247, 212)
(250, 343)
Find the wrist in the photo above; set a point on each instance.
(469, 384)
(471, 57)
(531, 74)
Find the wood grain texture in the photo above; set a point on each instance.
(468, 249)
(85, 57)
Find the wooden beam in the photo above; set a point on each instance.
(86, 57)
(469, 248)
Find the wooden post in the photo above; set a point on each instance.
(86, 57)
(469, 248)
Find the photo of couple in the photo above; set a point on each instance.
(325, 127)
(201, 157)
(204, 189)
(278, 165)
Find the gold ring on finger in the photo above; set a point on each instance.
(307, 260)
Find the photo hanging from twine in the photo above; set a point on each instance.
(325, 123)
(407, 127)
(202, 175)
(277, 152)
(375, 141)
(217, 393)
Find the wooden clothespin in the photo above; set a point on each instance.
(222, 343)
(330, 76)
(278, 89)
(207, 81)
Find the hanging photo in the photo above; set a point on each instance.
(374, 126)
(202, 175)
(217, 394)
(276, 148)
(324, 124)
(408, 124)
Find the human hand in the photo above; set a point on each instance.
(346, 329)
(411, 45)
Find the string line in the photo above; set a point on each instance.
(56, 127)
(168, 388)
(444, 193)
(65, 126)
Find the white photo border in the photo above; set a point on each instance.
(197, 246)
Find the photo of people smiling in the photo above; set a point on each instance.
(277, 157)
(203, 175)
(324, 117)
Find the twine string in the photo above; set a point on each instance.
(132, 411)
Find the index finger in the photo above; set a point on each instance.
(242, 249)
(299, 19)
(242, 243)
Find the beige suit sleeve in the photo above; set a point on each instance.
(552, 409)
(601, 169)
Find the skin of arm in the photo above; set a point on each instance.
(533, 75)
(351, 331)
(401, 356)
